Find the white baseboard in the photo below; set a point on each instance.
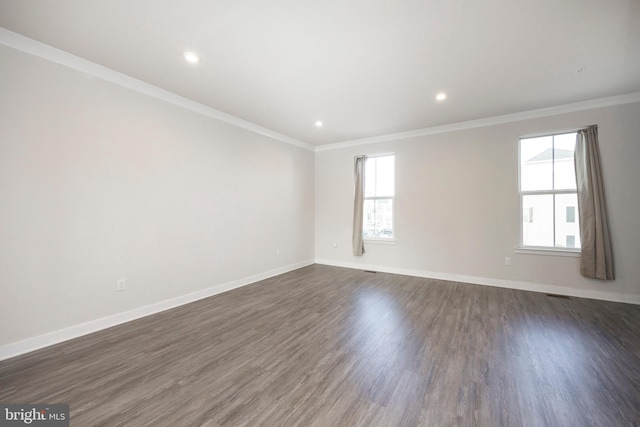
(55, 337)
(501, 283)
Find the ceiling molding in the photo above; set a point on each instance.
(49, 53)
(628, 98)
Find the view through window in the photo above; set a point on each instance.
(378, 197)
(548, 198)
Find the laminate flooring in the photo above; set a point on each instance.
(328, 346)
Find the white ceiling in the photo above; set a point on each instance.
(363, 67)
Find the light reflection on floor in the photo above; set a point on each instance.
(555, 355)
(381, 332)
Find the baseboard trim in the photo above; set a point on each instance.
(31, 344)
(486, 281)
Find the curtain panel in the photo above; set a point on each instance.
(358, 205)
(597, 258)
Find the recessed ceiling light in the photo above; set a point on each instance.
(318, 124)
(441, 96)
(191, 57)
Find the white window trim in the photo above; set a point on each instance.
(384, 240)
(553, 132)
(541, 250)
(389, 153)
(381, 240)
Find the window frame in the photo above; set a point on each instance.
(542, 250)
(391, 240)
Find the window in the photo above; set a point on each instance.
(378, 197)
(548, 186)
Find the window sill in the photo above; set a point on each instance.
(380, 241)
(548, 251)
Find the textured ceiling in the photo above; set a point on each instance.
(363, 67)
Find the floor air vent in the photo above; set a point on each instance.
(558, 296)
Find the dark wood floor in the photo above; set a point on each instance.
(326, 346)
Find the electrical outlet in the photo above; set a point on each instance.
(277, 252)
(121, 285)
(507, 261)
(335, 244)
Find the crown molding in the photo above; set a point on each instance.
(49, 53)
(628, 98)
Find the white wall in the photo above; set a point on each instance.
(456, 206)
(98, 182)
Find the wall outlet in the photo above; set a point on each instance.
(277, 252)
(335, 244)
(121, 285)
(507, 260)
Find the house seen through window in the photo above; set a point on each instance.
(378, 197)
(548, 197)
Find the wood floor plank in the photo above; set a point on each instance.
(327, 346)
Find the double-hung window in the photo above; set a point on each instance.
(378, 197)
(548, 196)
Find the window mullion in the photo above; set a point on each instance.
(382, 197)
(553, 185)
(538, 192)
(554, 221)
(553, 162)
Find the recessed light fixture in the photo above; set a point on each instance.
(191, 57)
(318, 124)
(441, 96)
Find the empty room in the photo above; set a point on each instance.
(331, 213)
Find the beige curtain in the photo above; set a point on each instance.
(358, 205)
(597, 259)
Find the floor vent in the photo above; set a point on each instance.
(369, 271)
(558, 296)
